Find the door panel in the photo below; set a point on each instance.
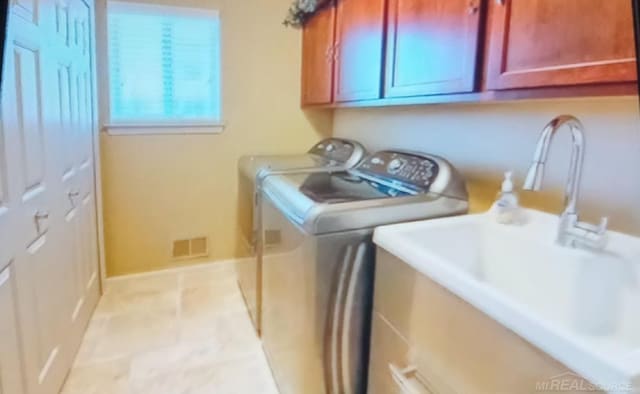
(90, 242)
(39, 253)
(29, 119)
(7, 208)
(69, 114)
(10, 358)
(62, 23)
(74, 259)
(26, 9)
(23, 114)
(317, 58)
(431, 47)
(66, 120)
(84, 38)
(4, 192)
(81, 242)
(11, 228)
(359, 46)
(535, 43)
(85, 199)
(85, 151)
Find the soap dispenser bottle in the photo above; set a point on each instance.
(506, 207)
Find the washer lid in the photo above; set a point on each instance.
(252, 166)
(388, 187)
(330, 154)
(338, 205)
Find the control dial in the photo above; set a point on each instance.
(395, 166)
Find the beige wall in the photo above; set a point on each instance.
(484, 140)
(163, 187)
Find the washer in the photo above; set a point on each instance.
(318, 261)
(331, 154)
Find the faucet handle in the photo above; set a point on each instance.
(602, 227)
(599, 229)
(574, 232)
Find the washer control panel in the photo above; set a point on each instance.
(334, 149)
(408, 169)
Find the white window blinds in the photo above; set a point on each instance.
(164, 64)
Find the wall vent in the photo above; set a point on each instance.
(190, 248)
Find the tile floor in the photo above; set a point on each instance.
(172, 333)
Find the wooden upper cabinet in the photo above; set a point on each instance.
(317, 58)
(359, 46)
(537, 43)
(432, 47)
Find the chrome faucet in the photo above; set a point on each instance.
(571, 231)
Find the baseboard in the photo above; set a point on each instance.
(173, 270)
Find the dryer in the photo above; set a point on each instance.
(332, 154)
(318, 261)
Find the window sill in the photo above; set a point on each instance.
(164, 128)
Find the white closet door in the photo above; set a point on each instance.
(73, 31)
(31, 131)
(86, 123)
(48, 220)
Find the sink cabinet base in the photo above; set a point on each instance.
(441, 344)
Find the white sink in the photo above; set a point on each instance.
(579, 307)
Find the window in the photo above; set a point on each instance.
(164, 65)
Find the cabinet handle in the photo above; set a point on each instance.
(5, 276)
(501, 2)
(329, 53)
(41, 215)
(73, 194)
(408, 381)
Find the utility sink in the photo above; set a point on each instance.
(580, 307)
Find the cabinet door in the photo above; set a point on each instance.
(536, 43)
(317, 58)
(359, 45)
(431, 47)
(10, 364)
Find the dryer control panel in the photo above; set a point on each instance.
(411, 170)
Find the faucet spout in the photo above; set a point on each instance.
(535, 175)
(534, 178)
(571, 231)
